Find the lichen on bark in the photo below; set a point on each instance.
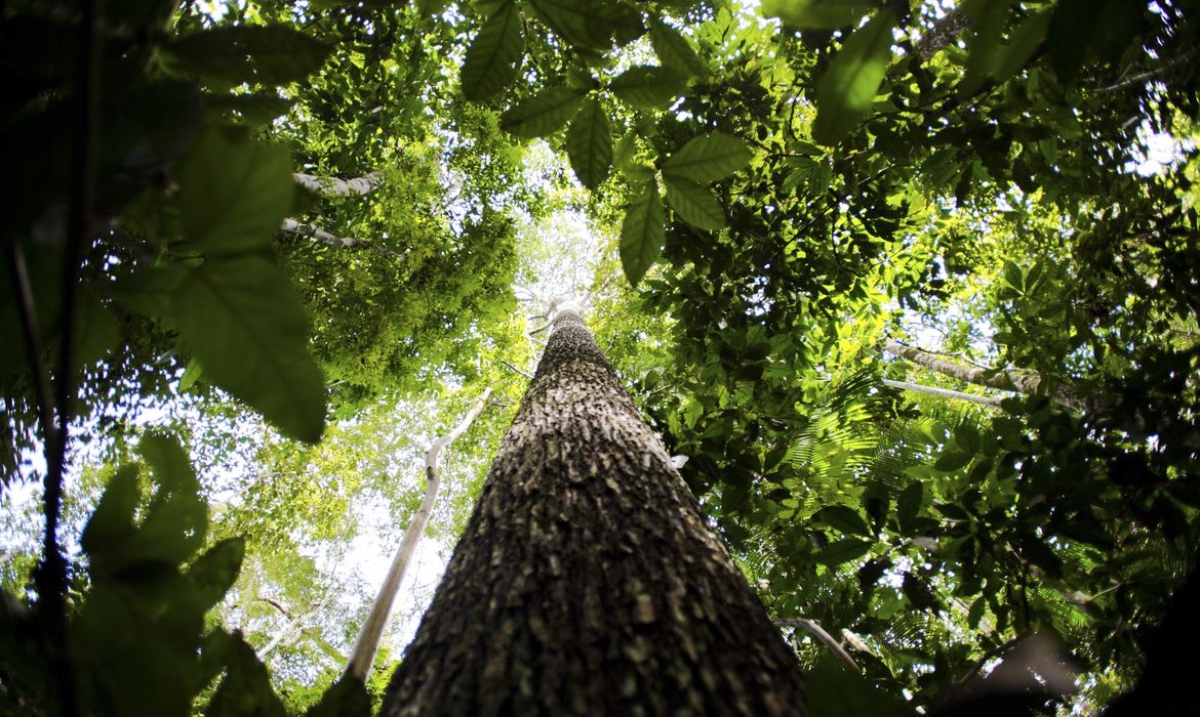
(588, 581)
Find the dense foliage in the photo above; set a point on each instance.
(811, 217)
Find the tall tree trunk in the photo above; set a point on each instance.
(588, 581)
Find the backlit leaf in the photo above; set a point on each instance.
(494, 56)
(843, 551)
(589, 144)
(708, 158)
(694, 203)
(847, 91)
(647, 86)
(642, 232)
(542, 114)
(818, 14)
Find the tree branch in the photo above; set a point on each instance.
(291, 226)
(823, 637)
(992, 401)
(334, 187)
(367, 644)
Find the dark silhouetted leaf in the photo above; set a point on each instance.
(269, 55)
(494, 56)
(642, 232)
(589, 144)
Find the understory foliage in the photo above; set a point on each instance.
(257, 256)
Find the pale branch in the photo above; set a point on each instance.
(823, 637)
(295, 625)
(334, 187)
(363, 654)
(993, 401)
(291, 226)
(1162, 69)
(1009, 379)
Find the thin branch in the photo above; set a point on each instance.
(517, 370)
(1151, 74)
(824, 637)
(34, 346)
(992, 401)
(367, 644)
(277, 605)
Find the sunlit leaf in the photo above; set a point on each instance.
(708, 158)
(847, 91)
(646, 86)
(818, 14)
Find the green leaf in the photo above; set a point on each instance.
(177, 518)
(673, 49)
(843, 551)
(542, 114)
(589, 144)
(642, 233)
(818, 14)
(908, 506)
(694, 203)
(708, 158)
(647, 86)
(111, 523)
(842, 518)
(952, 461)
(253, 109)
(494, 57)
(233, 193)
(834, 689)
(589, 24)
(264, 54)
(348, 697)
(246, 689)
(242, 321)
(846, 94)
(967, 438)
(213, 573)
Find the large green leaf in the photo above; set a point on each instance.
(494, 57)
(589, 144)
(843, 551)
(589, 24)
(233, 193)
(708, 158)
(842, 518)
(846, 94)
(542, 114)
(264, 54)
(642, 232)
(818, 14)
(213, 573)
(247, 327)
(673, 49)
(647, 86)
(694, 203)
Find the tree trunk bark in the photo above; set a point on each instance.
(588, 581)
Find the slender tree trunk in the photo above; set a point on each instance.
(588, 581)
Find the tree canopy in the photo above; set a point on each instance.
(912, 285)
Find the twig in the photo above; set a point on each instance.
(277, 605)
(992, 401)
(27, 311)
(517, 370)
(824, 637)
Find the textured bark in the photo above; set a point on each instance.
(588, 581)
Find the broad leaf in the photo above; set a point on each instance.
(908, 506)
(542, 114)
(642, 232)
(243, 322)
(818, 14)
(176, 520)
(648, 86)
(846, 94)
(246, 687)
(708, 158)
(494, 57)
(589, 144)
(111, 523)
(673, 49)
(842, 518)
(233, 194)
(833, 689)
(843, 551)
(213, 573)
(269, 55)
(694, 203)
(589, 24)
(347, 697)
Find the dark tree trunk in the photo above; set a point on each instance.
(588, 581)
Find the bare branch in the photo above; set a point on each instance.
(367, 644)
(824, 637)
(291, 226)
(334, 187)
(993, 401)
